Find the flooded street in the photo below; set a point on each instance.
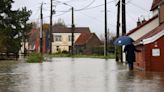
(76, 75)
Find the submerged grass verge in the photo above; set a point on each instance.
(35, 58)
(110, 56)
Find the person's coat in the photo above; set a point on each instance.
(130, 53)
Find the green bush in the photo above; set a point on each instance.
(35, 58)
(65, 52)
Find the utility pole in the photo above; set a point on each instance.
(50, 32)
(24, 41)
(41, 28)
(123, 23)
(123, 17)
(117, 30)
(73, 29)
(106, 39)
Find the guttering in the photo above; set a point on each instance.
(153, 38)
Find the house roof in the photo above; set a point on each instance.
(69, 30)
(84, 38)
(157, 31)
(32, 31)
(142, 25)
(155, 4)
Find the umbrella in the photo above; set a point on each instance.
(123, 40)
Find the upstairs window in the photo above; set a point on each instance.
(58, 38)
(70, 38)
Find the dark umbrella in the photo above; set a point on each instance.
(123, 40)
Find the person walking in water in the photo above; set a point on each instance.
(130, 55)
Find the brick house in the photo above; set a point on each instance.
(86, 42)
(149, 38)
(34, 40)
(151, 57)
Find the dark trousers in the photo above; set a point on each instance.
(130, 64)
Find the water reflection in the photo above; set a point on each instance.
(76, 75)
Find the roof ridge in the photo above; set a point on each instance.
(151, 33)
(90, 37)
(143, 24)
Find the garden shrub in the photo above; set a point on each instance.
(35, 58)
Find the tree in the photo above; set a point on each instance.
(13, 25)
(2, 42)
(110, 37)
(59, 23)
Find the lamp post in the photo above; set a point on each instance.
(50, 31)
(72, 27)
(41, 29)
(106, 39)
(117, 30)
(123, 23)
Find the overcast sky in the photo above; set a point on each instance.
(90, 12)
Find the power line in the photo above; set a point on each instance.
(66, 11)
(128, 1)
(86, 6)
(138, 6)
(62, 13)
(97, 5)
(94, 18)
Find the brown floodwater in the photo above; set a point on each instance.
(76, 75)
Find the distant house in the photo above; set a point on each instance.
(62, 38)
(33, 40)
(86, 42)
(149, 38)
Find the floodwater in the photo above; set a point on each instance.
(76, 75)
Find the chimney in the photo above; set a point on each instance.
(161, 12)
(143, 20)
(138, 22)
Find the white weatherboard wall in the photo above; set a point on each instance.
(65, 43)
(145, 29)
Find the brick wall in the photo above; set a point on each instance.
(145, 60)
(140, 62)
(157, 62)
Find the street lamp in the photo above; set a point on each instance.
(41, 29)
(106, 39)
(73, 27)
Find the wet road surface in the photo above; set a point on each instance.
(76, 75)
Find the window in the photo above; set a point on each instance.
(58, 38)
(70, 38)
(57, 48)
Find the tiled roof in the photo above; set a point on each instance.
(155, 4)
(32, 31)
(69, 30)
(151, 33)
(84, 38)
(143, 24)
